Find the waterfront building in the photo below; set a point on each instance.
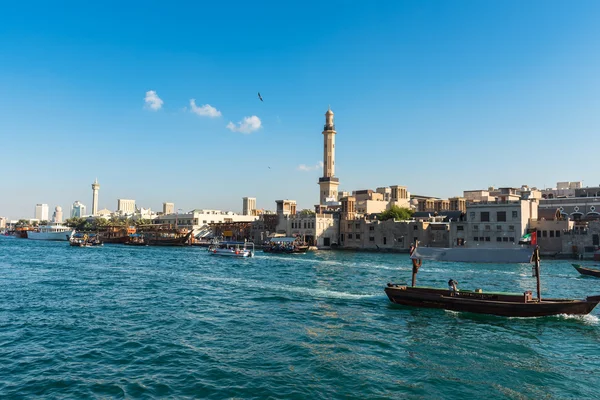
(125, 206)
(95, 189)
(168, 208)
(58, 215)
(562, 189)
(498, 223)
(41, 212)
(2, 222)
(77, 210)
(198, 219)
(105, 213)
(328, 183)
(575, 208)
(249, 206)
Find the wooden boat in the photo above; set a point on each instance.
(116, 233)
(503, 304)
(587, 271)
(164, 235)
(85, 240)
(285, 245)
(232, 249)
(21, 231)
(136, 239)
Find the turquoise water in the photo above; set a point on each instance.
(129, 322)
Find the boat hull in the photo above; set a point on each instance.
(230, 253)
(507, 305)
(298, 250)
(54, 236)
(587, 271)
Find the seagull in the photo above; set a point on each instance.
(260, 97)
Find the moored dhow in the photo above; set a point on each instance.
(164, 235)
(56, 232)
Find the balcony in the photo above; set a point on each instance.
(329, 127)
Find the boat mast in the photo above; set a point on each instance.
(537, 271)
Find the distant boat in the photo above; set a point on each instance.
(164, 235)
(232, 249)
(115, 233)
(55, 232)
(286, 245)
(85, 240)
(587, 271)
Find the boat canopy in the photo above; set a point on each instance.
(283, 239)
(475, 255)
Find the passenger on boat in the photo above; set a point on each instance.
(452, 285)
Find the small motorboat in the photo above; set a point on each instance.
(232, 249)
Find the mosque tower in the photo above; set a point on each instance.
(95, 188)
(328, 183)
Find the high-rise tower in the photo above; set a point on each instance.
(328, 183)
(95, 188)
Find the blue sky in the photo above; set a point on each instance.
(439, 96)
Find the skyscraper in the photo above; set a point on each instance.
(248, 205)
(77, 210)
(328, 183)
(41, 212)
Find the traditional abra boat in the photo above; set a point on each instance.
(136, 239)
(232, 249)
(85, 240)
(164, 235)
(587, 271)
(286, 245)
(503, 304)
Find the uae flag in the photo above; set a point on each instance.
(529, 238)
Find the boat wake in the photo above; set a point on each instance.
(588, 319)
(301, 290)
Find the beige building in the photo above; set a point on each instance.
(2, 222)
(197, 219)
(286, 207)
(58, 215)
(458, 204)
(125, 206)
(328, 183)
(95, 189)
(494, 223)
(168, 208)
(249, 206)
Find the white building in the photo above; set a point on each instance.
(2, 222)
(168, 208)
(494, 223)
(77, 210)
(125, 206)
(58, 215)
(41, 212)
(196, 219)
(248, 205)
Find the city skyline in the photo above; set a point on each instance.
(439, 97)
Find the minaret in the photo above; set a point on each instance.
(328, 183)
(95, 188)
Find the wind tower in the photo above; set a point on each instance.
(328, 183)
(95, 188)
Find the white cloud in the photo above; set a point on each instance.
(204, 111)
(304, 167)
(248, 125)
(152, 100)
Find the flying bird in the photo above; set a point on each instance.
(260, 97)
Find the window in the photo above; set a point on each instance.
(512, 239)
(460, 228)
(415, 228)
(485, 216)
(357, 226)
(342, 237)
(498, 227)
(505, 239)
(204, 221)
(551, 233)
(487, 238)
(358, 236)
(515, 214)
(557, 233)
(487, 227)
(472, 215)
(384, 240)
(349, 227)
(511, 227)
(501, 216)
(476, 239)
(481, 238)
(539, 234)
(371, 228)
(371, 239)
(475, 227)
(349, 236)
(498, 239)
(544, 233)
